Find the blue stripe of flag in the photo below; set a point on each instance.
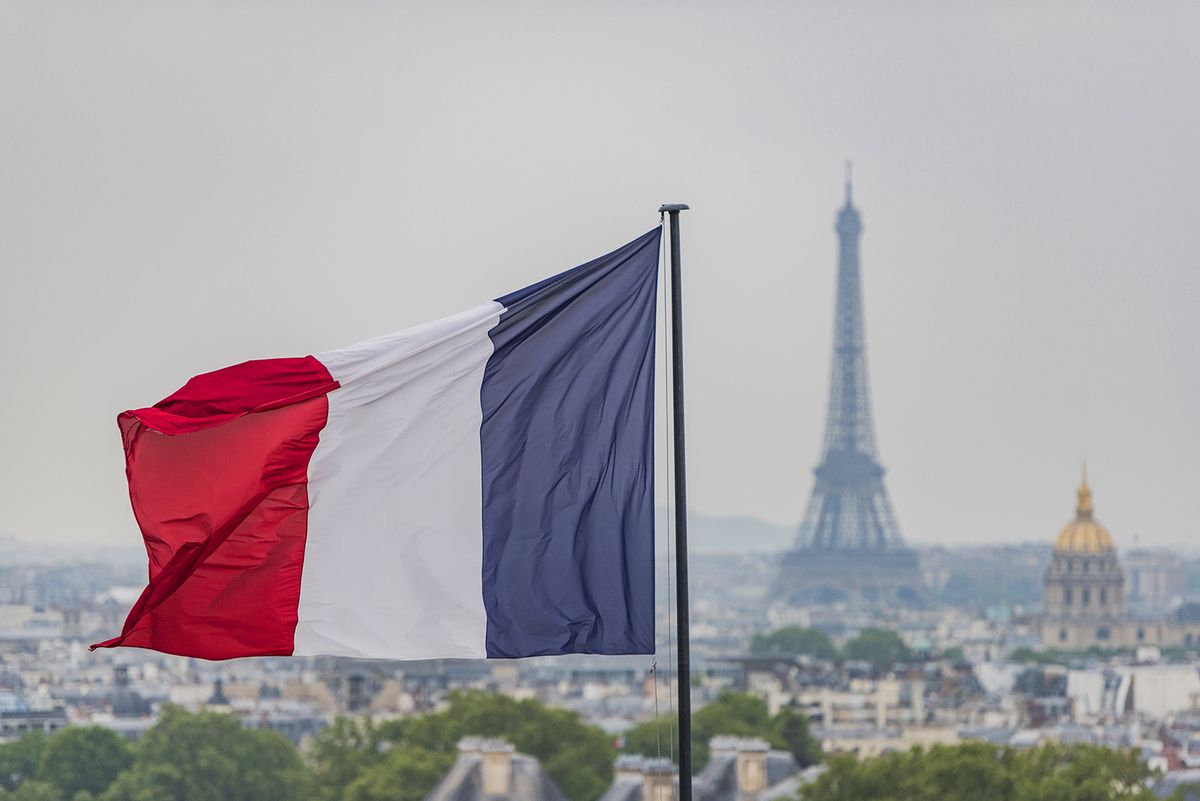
(568, 461)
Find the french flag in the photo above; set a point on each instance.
(480, 486)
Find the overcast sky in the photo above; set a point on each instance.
(188, 185)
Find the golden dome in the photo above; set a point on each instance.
(1084, 535)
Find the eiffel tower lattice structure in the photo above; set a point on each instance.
(849, 548)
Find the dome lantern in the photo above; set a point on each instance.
(1083, 508)
(1084, 535)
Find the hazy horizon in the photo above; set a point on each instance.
(190, 186)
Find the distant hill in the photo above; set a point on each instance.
(713, 535)
(17, 551)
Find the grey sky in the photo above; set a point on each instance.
(188, 185)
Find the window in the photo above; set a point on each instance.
(1141, 633)
(1062, 635)
(1103, 633)
(1103, 596)
(1087, 596)
(1067, 596)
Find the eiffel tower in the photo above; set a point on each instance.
(850, 548)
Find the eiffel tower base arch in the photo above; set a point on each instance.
(857, 577)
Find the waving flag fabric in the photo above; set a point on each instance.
(477, 486)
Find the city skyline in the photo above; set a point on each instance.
(1026, 185)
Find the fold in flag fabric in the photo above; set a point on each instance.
(480, 486)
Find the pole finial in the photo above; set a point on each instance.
(849, 178)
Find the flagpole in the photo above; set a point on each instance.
(683, 676)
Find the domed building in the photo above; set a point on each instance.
(1085, 588)
(1084, 600)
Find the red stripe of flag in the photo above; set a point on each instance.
(218, 480)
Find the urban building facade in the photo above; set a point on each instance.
(1085, 593)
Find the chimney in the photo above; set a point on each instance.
(752, 766)
(749, 756)
(495, 759)
(658, 780)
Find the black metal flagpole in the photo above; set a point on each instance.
(683, 676)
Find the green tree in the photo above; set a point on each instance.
(341, 752)
(34, 790)
(1026, 655)
(211, 757)
(985, 772)
(789, 731)
(84, 758)
(954, 654)
(1055, 656)
(733, 714)
(578, 757)
(404, 774)
(881, 647)
(794, 640)
(19, 759)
